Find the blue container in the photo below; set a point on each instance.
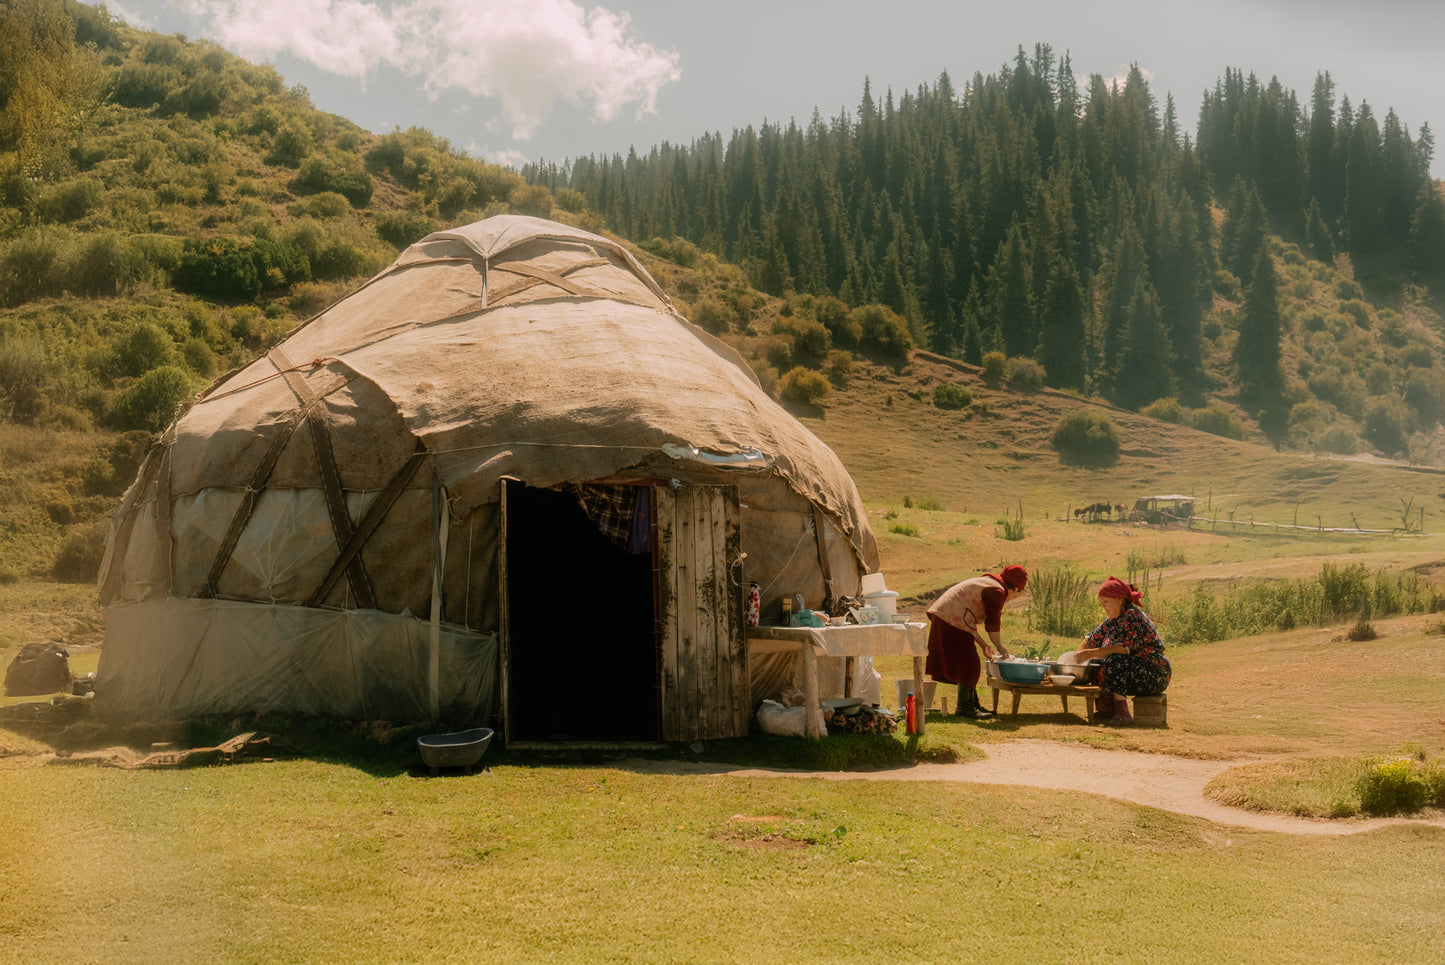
(1031, 672)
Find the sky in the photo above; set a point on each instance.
(548, 80)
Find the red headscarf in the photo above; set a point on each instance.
(1016, 578)
(1116, 589)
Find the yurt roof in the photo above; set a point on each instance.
(510, 347)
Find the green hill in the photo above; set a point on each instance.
(168, 210)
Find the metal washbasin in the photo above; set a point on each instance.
(1083, 673)
(462, 749)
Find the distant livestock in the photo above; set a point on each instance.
(1097, 509)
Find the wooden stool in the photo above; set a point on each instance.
(1151, 710)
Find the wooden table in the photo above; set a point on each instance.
(876, 640)
(1087, 691)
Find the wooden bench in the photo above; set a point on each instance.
(1087, 691)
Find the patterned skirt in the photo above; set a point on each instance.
(1124, 673)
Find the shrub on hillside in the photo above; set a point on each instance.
(327, 204)
(713, 314)
(882, 331)
(290, 145)
(570, 199)
(335, 250)
(1387, 426)
(151, 402)
(804, 386)
(809, 337)
(532, 199)
(833, 312)
(679, 251)
(839, 366)
(1357, 311)
(1347, 288)
(995, 367)
(337, 172)
(69, 200)
(950, 396)
(1166, 410)
(1025, 373)
(148, 346)
(1086, 438)
(1215, 419)
(403, 228)
(105, 263)
(1338, 440)
(1344, 390)
(24, 372)
(80, 554)
(221, 268)
(27, 264)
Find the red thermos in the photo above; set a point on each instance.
(911, 713)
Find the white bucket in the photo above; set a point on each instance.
(873, 583)
(905, 684)
(885, 600)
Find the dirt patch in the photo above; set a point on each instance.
(1154, 780)
(768, 842)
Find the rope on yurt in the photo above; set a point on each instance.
(370, 520)
(440, 518)
(341, 527)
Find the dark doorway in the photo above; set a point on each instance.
(583, 651)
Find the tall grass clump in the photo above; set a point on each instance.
(1060, 602)
(1011, 529)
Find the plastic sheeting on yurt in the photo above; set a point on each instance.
(502, 481)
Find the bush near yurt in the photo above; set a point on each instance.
(238, 267)
(151, 402)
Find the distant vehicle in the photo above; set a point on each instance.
(1159, 509)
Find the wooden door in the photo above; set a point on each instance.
(703, 679)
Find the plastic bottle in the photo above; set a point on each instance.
(911, 713)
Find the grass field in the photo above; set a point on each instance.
(352, 854)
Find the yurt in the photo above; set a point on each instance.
(502, 482)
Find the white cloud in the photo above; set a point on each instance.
(506, 157)
(526, 56)
(345, 37)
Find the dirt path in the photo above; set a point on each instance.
(1155, 780)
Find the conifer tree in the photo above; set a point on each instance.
(1126, 271)
(1362, 186)
(1257, 353)
(1145, 363)
(1009, 294)
(1244, 231)
(1320, 149)
(1427, 239)
(1317, 234)
(973, 325)
(1061, 338)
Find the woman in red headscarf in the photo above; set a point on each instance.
(958, 621)
(1132, 650)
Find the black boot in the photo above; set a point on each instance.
(968, 705)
